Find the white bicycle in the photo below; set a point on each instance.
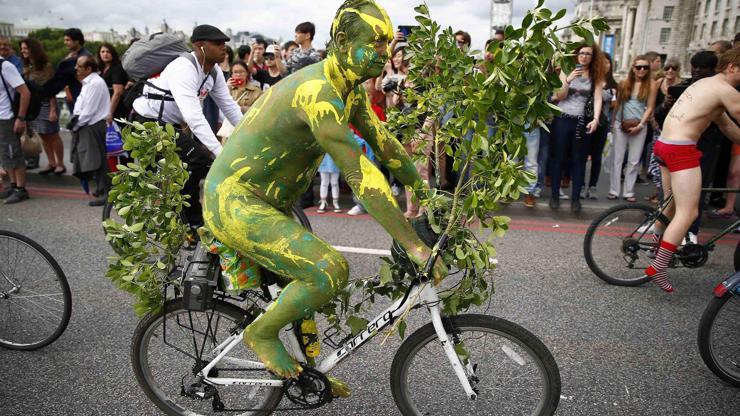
(190, 358)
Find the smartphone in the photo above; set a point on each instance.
(406, 29)
(675, 91)
(579, 66)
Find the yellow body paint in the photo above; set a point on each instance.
(306, 98)
(255, 109)
(393, 163)
(380, 27)
(372, 179)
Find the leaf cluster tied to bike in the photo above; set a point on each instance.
(146, 195)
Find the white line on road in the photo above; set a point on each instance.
(359, 250)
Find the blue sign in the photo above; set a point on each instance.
(608, 45)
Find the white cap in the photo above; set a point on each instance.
(271, 49)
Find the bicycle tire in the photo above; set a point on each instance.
(301, 217)
(709, 330)
(141, 344)
(60, 282)
(434, 396)
(737, 257)
(601, 265)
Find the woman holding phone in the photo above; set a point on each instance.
(571, 130)
(635, 105)
(244, 90)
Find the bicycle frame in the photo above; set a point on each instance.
(418, 294)
(710, 243)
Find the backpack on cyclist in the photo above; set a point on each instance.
(147, 58)
(37, 96)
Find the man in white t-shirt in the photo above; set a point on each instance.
(184, 84)
(11, 128)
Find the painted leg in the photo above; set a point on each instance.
(279, 244)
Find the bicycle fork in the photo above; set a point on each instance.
(465, 372)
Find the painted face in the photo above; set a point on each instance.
(367, 53)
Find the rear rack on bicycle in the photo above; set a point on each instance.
(200, 279)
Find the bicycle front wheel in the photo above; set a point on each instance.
(719, 338)
(164, 353)
(618, 243)
(514, 373)
(35, 300)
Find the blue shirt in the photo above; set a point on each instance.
(15, 60)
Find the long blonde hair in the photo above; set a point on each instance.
(625, 87)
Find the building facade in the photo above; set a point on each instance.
(672, 28)
(501, 11)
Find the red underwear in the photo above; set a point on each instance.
(677, 157)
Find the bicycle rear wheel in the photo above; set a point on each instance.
(163, 354)
(719, 338)
(617, 243)
(514, 373)
(35, 300)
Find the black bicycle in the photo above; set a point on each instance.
(719, 334)
(618, 246)
(35, 300)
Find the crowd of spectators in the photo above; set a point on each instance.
(606, 125)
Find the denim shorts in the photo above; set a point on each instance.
(11, 155)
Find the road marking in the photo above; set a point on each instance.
(359, 250)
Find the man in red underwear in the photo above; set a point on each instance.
(712, 99)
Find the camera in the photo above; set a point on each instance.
(389, 86)
(201, 279)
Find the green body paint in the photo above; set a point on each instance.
(272, 157)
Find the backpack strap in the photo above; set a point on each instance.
(5, 85)
(195, 63)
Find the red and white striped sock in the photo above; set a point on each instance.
(658, 270)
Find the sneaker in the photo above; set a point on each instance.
(322, 207)
(693, 238)
(336, 206)
(592, 193)
(563, 195)
(395, 190)
(530, 201)
(18, 195)
(356, 210)
(537, 192)
(554, 203)
(582, 195)
(7, 191)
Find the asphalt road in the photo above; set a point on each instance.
(621, 351)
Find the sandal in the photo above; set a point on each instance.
(60, 170)
(47, 170)
(630, 199)
(611, 196)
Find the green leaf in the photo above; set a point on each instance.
(136, 227)
(402, 329)
(356, 324)
(385, 274)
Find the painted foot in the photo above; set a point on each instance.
(338, 387)
(272, 353)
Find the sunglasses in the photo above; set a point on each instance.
(269, 56)
(642, 67)
(673, 68)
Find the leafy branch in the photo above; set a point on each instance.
(146, 194)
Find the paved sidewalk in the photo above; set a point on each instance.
(591, 208)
